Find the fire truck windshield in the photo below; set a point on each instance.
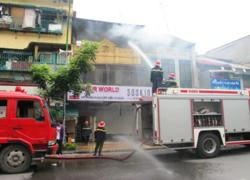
(51, 118)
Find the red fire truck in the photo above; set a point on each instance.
(201, 119)
(26, 131)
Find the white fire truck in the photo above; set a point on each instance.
(200, 119)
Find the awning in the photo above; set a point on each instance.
(215, 62)
(211, 62)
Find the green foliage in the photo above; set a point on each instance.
(41, 75)
(70, 146)
(84, 58)
(56, 114)
(56, 84)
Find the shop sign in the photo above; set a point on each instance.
(112, 93)
(225, 84)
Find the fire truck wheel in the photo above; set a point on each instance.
(208, 145)
(15, 159)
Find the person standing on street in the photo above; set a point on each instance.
(100, 137)
(59, 136)
(156, 76)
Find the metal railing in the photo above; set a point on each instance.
(15, 61)
(52, 58)
(21, 61)
(38, 26)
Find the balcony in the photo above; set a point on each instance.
(41, 26)
(22, 61)
(52, 58)
(15, 60)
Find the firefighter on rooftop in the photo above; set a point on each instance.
(156, 76)
(170, 82)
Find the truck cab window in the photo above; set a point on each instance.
(30, 109)
(38, 112)
(3, 108)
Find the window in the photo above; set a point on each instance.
(168, 66)
(30, 109)
(185, 74)
(3, 108)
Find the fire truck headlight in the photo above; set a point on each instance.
(51, 143)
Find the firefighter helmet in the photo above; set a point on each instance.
(101, 124)
(158, 62)
(171, 75)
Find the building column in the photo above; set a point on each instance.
(195, 79)
(242, 83)
(177, 70)
(36, 53)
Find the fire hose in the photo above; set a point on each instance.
(88, 156)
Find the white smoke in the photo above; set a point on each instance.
(147, 38)
(143, 55)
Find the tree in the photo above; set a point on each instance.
(41, 74)
(56, 84)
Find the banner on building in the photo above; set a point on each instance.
(225, 84)
(112, 93)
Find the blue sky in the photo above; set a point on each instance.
(207, 23)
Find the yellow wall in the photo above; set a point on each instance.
(20, 40)
(17, 12)
(109, 53)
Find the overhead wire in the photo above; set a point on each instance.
(164, 15)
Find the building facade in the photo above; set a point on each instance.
(123, 64)
(227, 66)
(32, 32)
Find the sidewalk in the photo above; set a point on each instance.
(86, 151)
(111, 146)
(107, 147)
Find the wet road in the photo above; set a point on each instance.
(149, 165)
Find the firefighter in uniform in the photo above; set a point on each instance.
(156, 76)
(86, 132)
(170, 83)
(100, 137)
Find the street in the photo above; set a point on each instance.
(158, 164)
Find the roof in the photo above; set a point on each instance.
(237, 51)
(211, 61)
(215, 62)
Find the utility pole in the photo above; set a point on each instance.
(66, 49)
(68, 19)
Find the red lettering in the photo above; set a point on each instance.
(106, 89)
(74, 97)
(100, 89)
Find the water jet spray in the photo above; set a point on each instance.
(140, 52)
